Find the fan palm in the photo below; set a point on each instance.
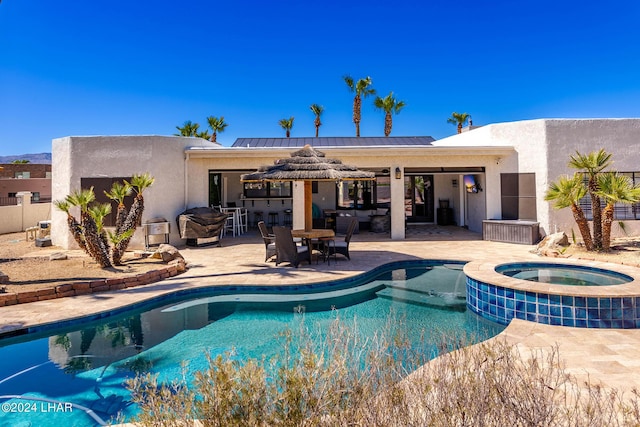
(566, 192)
(93, 239)
(204, 135)
(362, 88)
(188, 128)
(317, 110)
(459, 119)
(217, 125)
(390, 105)
(614, 188)
(139, 183)
(287, 124)
(118, 193)
(73, 224)
(590, 165)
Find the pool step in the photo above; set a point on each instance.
(441, 300)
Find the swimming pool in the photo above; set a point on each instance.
(85, 365)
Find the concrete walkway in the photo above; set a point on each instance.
(608, 356)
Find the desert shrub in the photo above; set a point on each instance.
(340, 378)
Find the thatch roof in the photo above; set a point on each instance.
(308, 164)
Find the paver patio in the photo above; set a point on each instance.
(608, 356)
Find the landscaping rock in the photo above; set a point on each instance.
(58, 256)
(553, 245)
(167, 253)
(4, 278)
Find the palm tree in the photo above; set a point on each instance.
(217, 125)
(567, 192)
(118, 193)
(20, 162)
(74, 226)
(317, 110)
(614, 188)
(389, 104)
(188, 129)
(590, 165)
(459, 119)
(93, 240)
(287, 124)
(362, 89)
(204, 135)
(139, 183)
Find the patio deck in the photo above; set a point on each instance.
(608, 356)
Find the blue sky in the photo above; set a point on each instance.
(137, 67)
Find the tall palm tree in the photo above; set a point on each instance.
(188, 128)
(139, 183)
(362, 88)
(217, 125)
(590, 165)
(317, 110)
(287, 124)
(567, 192)
(93, 239)
(390, 105)
(614, 188)
(459, 119)
(204, 135)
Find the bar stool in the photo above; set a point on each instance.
(257, 217)
(287, 218)
(274, 218)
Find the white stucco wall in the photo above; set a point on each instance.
(543, 147)
(74, 158)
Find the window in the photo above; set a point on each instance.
(13, 194)
(259, 190)
(621, 211)
(518, 196)
(23, 175)
(35, 196)
(355, 195)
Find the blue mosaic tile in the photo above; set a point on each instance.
(531, 297)
(605, 302)
(555, 299)
(543, 319)
(555, 311)
(509, 293)
(520, 305)
(567, 300)
(580, 313)
(520, 296)
(592, 302)
(628, 313)
(567, 312)
(532, 317)
(543, 309)
(592, 313)
(605, 314)
(580, 301)
(616, 302)
(616, 323)
(627, 302)
(581, 323)
(628, 324)
(532, 307)
(509, 303)
(568, 322)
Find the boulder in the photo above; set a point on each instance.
(167, 253)
(551, 244)
(57, 256)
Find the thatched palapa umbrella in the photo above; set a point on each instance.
(308, 165)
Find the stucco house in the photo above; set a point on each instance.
(495, 172)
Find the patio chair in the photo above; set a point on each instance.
(342, 246)
(286, 249)
(269, 241)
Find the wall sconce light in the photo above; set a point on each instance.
(398, 173)
(498, 160)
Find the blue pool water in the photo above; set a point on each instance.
(74, 376)
(562, 274)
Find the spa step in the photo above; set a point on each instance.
(446, 300)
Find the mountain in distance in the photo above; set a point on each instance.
(40, 158)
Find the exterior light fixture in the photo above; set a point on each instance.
(398, 173)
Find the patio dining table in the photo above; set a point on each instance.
(326, 236)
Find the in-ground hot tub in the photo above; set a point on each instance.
(600, 295)
(563, 274)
